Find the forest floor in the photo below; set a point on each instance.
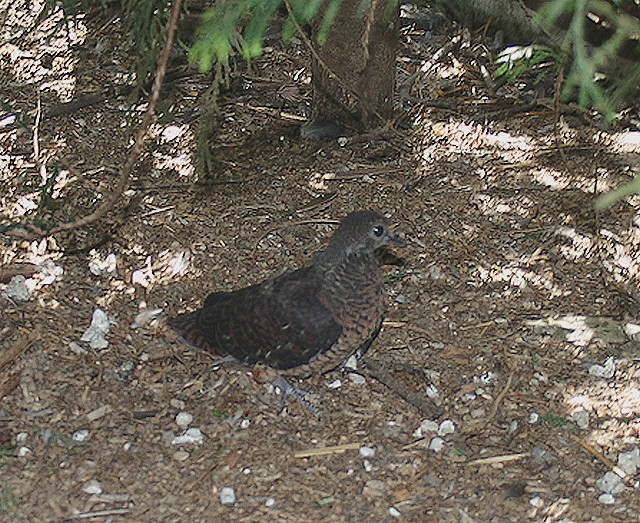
(515, 304)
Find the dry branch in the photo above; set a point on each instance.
(134, 154)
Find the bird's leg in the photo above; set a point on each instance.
(306, 398)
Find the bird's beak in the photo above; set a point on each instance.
(396, 240)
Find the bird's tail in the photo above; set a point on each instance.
(187, 326)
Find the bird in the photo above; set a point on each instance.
(306, 321)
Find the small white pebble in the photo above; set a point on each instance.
(436, 444)
(351, 363)
(367, 452)
(394, 512)
(23, 451)
(181, 455)
(184, 419)
(126, 447)
(357, 378)
(342, 141)
(606, 499)
(80, 435)
(92, 487)
(629, 461)
(606, 371)
(368, 467)
(536, 501)
(446, 427)
(426, 426)
(175, 402)
(192, 435)
(270, 502)
(335, 384)
(246, 471)
(610, 483)
(534, 417)
(432, 392)
(227, 496)
(21, 437)
(478, 413)
(244, 424)
(581, 418)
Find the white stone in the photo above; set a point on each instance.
(432, 391)
(17, 290)
(394, 512)
(92, 487)
(630, 461)
(437, 444)
(446, 427)
(181, 455)
(270, 502)
(184, 419)
(227, 496)
(96, 332)
(606, 371)
(536, 501)
(610, 483)
(191, 436)
(80, 435)
(606, 499)
(581, 418)
(367, 452)
(357, 378)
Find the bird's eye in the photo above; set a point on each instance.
(378, 230)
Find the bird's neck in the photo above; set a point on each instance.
(354, 283)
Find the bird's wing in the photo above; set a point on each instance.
(280, 322)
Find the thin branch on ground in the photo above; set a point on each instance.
(31, 232)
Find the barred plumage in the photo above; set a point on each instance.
(307, 320)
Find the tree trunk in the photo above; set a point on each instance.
(354, 71)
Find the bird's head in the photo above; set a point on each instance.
(360, 232)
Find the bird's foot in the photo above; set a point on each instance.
(306, 398)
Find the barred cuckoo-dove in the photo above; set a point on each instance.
(305, 321)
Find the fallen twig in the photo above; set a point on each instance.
(498, 459)
(19, 347)
(23, 269)
(323, 451)
(30, 232)
(629, 480)
(392, 383)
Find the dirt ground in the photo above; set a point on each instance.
(514, 305)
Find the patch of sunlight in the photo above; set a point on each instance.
(519, 277)
(446, 72)
(496, 205)
(508, 141)
(621, 398)
(28, 64)
(621, 261)
(551, 178)
(581, 244)
(581, 330)
(180, 163)
(628, 141)
(461, 137)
